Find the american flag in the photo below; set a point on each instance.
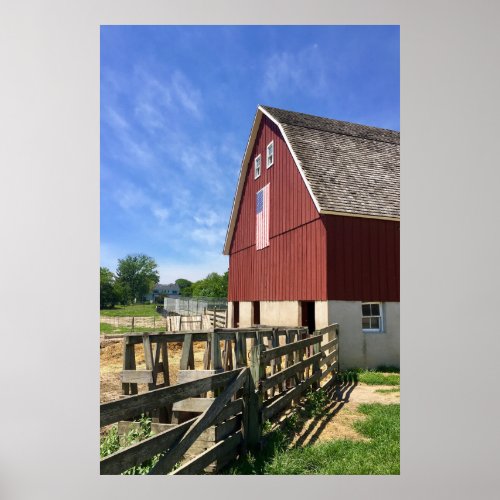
(262, 218)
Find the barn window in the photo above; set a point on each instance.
(257, 166)
(373, 320)
(270, 154)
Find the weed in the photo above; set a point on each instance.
(266, 427)
(290, 425)
(315, 403)
(111, 444)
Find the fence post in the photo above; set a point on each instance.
(316, 367)
(337, 331)
(215, 355)
(133, 318)
(240, 348)
(255, 398)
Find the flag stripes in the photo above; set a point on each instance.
(262, 218)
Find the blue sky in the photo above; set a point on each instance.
(177, 105)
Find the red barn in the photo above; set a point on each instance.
(313, 236)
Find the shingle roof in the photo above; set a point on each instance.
(350, 168)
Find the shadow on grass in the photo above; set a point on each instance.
(281, 437)
(338, 396)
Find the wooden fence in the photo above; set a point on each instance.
(255, 377)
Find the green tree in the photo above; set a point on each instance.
(214, 285)
(108, 294)
(185, 287)
(137, 275)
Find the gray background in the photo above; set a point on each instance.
(49, 201)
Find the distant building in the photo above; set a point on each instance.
(313, 237)
(171, 290)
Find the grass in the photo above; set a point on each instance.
(132, 310)
(106, 328)
(110, 443)
(387, 391)
(380, 455)
(370, 377)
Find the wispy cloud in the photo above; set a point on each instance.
(132, 199)
(208, 236)
(159, 100)
(126, 145)
(189, 97)
(291, 71)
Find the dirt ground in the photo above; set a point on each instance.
(340, 413)
(111, 352)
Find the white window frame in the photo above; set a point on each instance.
(259, 171)
(268, 165)
(380, 316)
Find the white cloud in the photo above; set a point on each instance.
(209, 236)
(291, 71)
(159, 100)
(129, 197)
(207, 218)
(128, 148)
(161, 213)
(186, 93)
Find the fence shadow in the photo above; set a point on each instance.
(338, 395)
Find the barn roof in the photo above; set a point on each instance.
(349, 169)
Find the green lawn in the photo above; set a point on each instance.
(380, 455)
(132, 310)
(105, 328)
(387, 391)
(370, 377)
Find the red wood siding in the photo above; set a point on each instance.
(363, 259)
(293, 267)
(290, 202)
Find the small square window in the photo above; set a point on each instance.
(257, 167)
(372, 319)
(270, 154)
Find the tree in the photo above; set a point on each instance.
(185, 287)
(137, 275)
(108, 294)
(214, 285)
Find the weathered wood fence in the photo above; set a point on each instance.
(256, 376)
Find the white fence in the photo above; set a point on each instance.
(188, 306)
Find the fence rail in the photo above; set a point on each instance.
(252, 389)
(188, 306)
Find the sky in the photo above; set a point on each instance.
(177, 105)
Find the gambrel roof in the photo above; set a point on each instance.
(349, 169)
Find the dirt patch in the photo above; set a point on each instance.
(111, 365)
